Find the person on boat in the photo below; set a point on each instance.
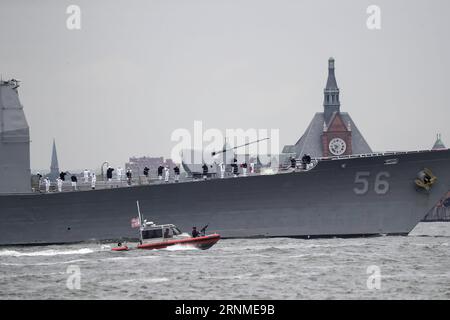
(205, 171)
(195, 233)
(167, 233)
(160, 171)
(166, 174)
(74, 180)
(59, 184)
(176, 170)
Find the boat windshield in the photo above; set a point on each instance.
(176, 231)
(152, 233)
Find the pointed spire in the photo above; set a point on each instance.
(331, 102)
(54, 166)
(438, 144)
(331, 82)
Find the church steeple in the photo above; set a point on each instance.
(54, 166)
(331, 102)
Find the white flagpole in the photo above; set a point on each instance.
(140, 221)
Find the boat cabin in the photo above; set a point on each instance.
(151, 231)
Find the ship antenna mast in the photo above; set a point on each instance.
(140, 220)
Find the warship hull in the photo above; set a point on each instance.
(355, 196)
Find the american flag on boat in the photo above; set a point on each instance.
(135, 223)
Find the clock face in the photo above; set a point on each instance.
(337, 146)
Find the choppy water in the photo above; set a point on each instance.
(413, 267)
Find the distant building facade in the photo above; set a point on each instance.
(331, 132)
(137, 164)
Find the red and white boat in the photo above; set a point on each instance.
(154, 236)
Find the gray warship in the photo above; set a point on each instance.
(340, 196)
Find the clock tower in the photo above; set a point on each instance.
(331, 132)
(336, 135)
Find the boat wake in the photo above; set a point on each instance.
(179, 247)
(47, 253)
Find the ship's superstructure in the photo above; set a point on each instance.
(14, 141)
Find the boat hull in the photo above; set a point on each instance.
(202, 243)
(344, 197)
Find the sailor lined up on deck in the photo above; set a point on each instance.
(86, 175)
(59, 184)
(176, 170)
(62, 176)
(222, 170)
(109, 173)
(129, 176)
(244, 169)
(47, 184)
(235, 168)
(166, 173)
(119, 173)
(195, 233)
(93, 180)
(160, 171)
(252, 167)
(306, 160)
(74, 180)
(205, 171)
(293, 163)
(146, 170)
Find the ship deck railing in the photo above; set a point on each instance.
(141, 180)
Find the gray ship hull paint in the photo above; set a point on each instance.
(318, 203)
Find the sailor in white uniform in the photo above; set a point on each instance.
(252, 167)
(166, 173)
(93, 180)
(222, 170)
(59, 183)
(119, 173)
(47, 184)
(86, 175)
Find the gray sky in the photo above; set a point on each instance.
(137, 70)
